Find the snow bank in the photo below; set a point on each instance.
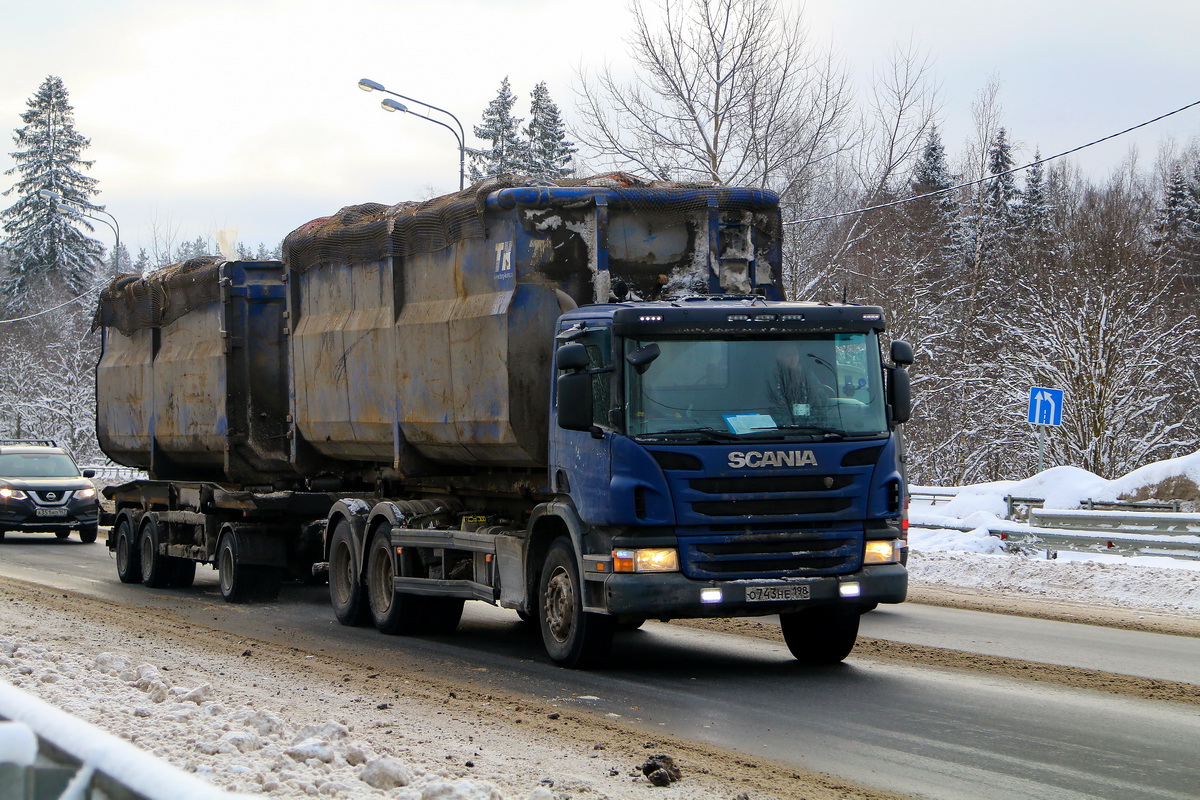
(957, 546)
(237, 749)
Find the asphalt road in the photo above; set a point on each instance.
(913, 729)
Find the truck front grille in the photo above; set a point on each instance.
(778, 555)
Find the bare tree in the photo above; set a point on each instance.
(726, 90)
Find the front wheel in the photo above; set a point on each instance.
(573, 638)
(820, 635)
(87, 534)
(346, 593)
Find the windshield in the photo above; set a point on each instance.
(822, 385)
(37, 465)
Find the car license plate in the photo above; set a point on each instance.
(50, 512)
(768, 594)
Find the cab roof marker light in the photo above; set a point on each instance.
(738, 318)
(792, 318)
(650, 318)
(764, 317)
(871, 316)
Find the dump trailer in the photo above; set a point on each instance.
(587, 401)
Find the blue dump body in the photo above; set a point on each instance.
(589, 402)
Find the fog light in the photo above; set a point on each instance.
(850, 589)
(711, 595)
(882, 551)
(647, 559)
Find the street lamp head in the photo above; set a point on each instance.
(50, 194)
(63, 208)
(393, 105)
(368, 85)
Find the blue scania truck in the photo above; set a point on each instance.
(586, 401)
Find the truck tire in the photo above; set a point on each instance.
(125, 552)
(88, 533)
(237, 580)
(393, 612)
(573, 638)
(156, 569)
(442, 614)
(346, 592)
(820, 635)
(183, 573)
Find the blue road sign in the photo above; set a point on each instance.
(1045, 406)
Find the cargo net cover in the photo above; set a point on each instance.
(373, 231)
(134, 302)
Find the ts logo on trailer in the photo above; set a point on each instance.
(755, 459)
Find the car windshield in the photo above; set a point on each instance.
(819, 386)
(37, 465)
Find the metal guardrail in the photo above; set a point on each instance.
(77, 760)
(1129, 528)
(932, 496)
(111, 473)
(1129, 533)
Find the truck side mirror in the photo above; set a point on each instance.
(573, 403)
(899, 394)
(571, 357)
(902, 353)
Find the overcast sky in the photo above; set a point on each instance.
(244, 113)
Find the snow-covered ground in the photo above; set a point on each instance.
(977, 559)
(254, 741)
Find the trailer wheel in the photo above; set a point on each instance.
(129, 564)
(573, 638)
(156, 569)
(820, 635)
(346, 593)
(393, 612)
(236, 579)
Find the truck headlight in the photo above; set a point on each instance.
(646, 559)
(882, 551)
(12, 494)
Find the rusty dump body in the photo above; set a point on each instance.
(407, 340)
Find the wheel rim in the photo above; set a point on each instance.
(560, 605)
(341, 573)
(225, 568)
(123, 549)
(379, 580)
(147, 553)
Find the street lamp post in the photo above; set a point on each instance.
(368, 85)
(67, 211)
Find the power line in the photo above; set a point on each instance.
(49, 310)
(993, 177)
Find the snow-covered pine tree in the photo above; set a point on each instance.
(48, 253)
(1177, 225)
(550, 154)
(508, 151)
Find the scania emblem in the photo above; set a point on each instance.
(754, 459)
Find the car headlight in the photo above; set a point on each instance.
(12, 494)
(84, 494)
(882, 551)
(646, 559)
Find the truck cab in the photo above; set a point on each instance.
(733, 456)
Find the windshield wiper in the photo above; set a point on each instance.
(814, 430)
(712, 433)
